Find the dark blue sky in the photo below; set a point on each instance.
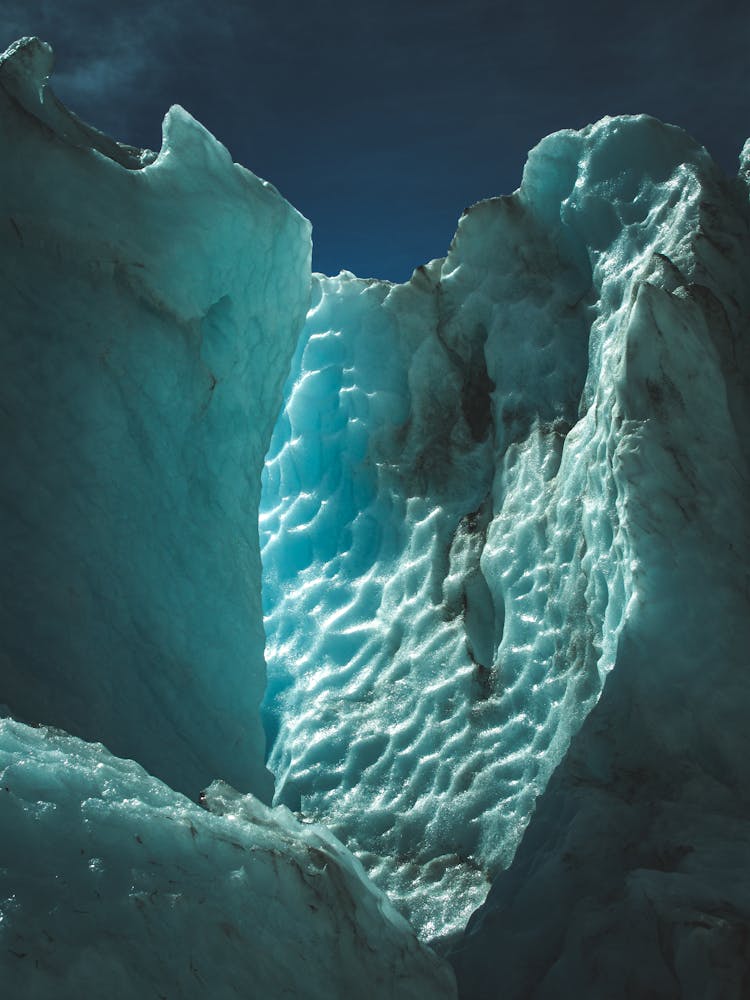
(381, 121)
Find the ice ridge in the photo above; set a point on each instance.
(114, 885)
(632, 878)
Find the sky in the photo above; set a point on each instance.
(381, 121)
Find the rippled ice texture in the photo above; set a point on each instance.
(452, 534)
(633, 878)
(493, 489)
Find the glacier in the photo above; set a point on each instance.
(151, 308)
(502, 510)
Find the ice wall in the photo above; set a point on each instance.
(112, 885)
(632, 878)
(151, 304)
(475, 474)
(505, 535)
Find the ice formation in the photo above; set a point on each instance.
(505, 542)
(633, 879)
(150, 308)
(490, 487)
(114, 885)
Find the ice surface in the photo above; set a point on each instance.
(112, 885)
(150, 308)
(469, 486)
(505, 534)
(633, 878)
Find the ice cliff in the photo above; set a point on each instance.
(490, 488)
(504, 529)
(150, 308)
(151, 304)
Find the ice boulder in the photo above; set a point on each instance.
(490, 488)
(113, 885)
(151, 304)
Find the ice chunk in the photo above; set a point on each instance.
(114, 885)
(451, 520)
(150, 308)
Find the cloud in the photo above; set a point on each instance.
(104, 49)
(114, 61)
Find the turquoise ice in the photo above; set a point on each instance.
(451, 528)
(113, 885)
(504, 528)
(151, 304)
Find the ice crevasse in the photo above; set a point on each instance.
(504, 531)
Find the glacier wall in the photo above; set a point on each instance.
(151, 304)
(475, 490)
(632, 878)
